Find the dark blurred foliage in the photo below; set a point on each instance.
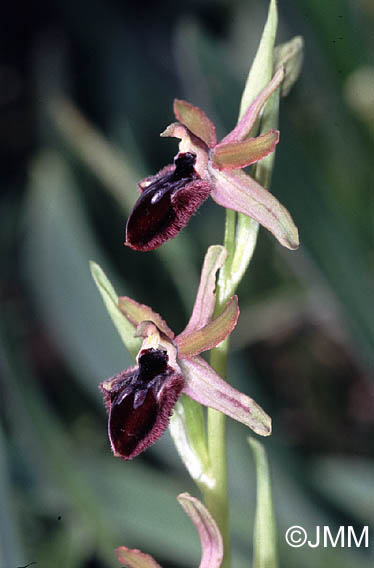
(304, 344)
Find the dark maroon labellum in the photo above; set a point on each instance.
(140, 401)
(167, 202)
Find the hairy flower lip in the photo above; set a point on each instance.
(166, 204)
(140, 401)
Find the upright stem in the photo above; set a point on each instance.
(216, 498)
(240, 242)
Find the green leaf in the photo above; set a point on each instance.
(290, 56)
(264, 537)
(187, 428)
(125, 329)
(262, 66)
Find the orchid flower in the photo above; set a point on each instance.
(204, 167)
(210, 538)
(140, 399)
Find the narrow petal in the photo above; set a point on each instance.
(166, 204)
(210, 536)
(238, 191)
(205, 301)
(242, 154)
(136, 313)
(245, 125)
(196, 121)
(205, 386)
(134, 558)
(211, 334)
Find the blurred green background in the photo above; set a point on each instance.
(85, 89)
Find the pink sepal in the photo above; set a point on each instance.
(136, 313)
(205, 386)
(238, 191)
(210, 536)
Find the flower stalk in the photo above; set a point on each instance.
(216, 497)
(170, 377)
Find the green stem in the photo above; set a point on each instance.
(216, 498)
